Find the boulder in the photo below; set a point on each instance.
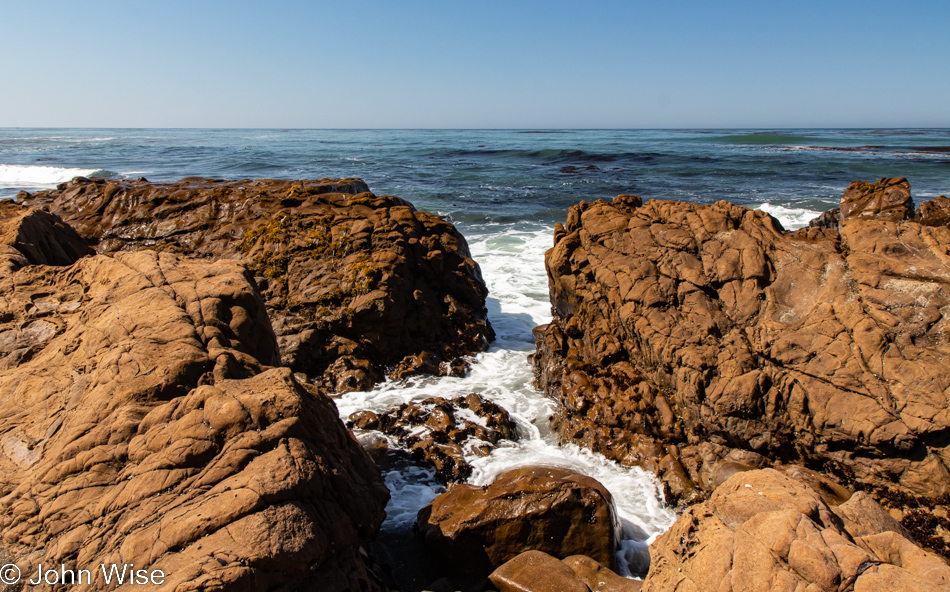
(442, 431)
(935, 212)
(354, 283)
(476, 529)
(761, 530)
(535, 571)
(141, 425)
(886, 199)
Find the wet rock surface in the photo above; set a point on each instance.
(442, 431)
(141, 424)
(598, 578)
(355, 283)
(535, 571)
(476, 529)
(761, 530)
(701, 339)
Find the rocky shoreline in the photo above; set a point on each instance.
(167, 352)
(355, 284)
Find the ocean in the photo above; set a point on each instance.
(505, 190)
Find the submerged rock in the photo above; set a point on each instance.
(683, 332)
(476, 529)
(354, 283)
(761, 530)
(141, 425)
(441, 431)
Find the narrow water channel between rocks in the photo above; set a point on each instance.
(511, 257)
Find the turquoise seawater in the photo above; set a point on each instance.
(505, 190)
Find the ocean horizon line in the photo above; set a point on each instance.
(480, 129)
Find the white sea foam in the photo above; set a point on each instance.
(512, 262)
(791, 218)
(14, 175)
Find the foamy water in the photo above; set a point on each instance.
(791, 218)
(506, 190)
(512, 262)
(42, 176)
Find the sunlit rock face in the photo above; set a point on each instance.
(686, 336)
(356, 285)
(141, 424)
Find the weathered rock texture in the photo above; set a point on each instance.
(442, 431)
(476, 529)
(139, 424)
(536, 571)
(885, 199)
(354, 283)
(598, 578)
(762, 531)
(683, 332)
(29, 236)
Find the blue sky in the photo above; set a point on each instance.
(477, 64)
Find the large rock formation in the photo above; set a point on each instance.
(139, 424)
(354, 283)
(684, 332)
(476, 529)
(761, 531)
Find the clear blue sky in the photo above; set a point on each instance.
(475, 64)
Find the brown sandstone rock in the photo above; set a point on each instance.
(476, 529)
(886, 199)
(761, 530)
(140, 425)
(444, 433)
(535, 571)
(354, 282)
(38, 237)
(682, 332)
(598, 578)
(935, 212)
